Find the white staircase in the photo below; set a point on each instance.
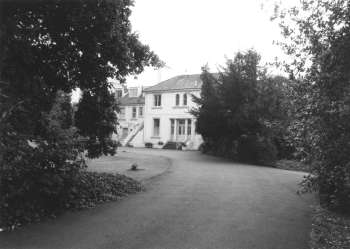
(137, 128)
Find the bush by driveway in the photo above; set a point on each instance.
(330, 230)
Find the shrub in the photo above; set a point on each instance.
(73, 191)
(266, 151)
(36, 173)
(148, 145)
(248, 148)
(34, 182)
(91, 188)
(134, 167)
(329, 230)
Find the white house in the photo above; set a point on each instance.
(131, 104)
(167, 117)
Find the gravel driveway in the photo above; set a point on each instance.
(202, 202)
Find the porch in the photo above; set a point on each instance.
(182, 129)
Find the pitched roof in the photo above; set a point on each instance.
(126, 100)
(181, 82)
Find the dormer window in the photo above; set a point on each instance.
(157, 100)
(177, 99)
(185, 99)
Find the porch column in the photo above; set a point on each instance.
(186, 135)
(175, 129)
(193, 128)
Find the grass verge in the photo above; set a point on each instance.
(292, 165)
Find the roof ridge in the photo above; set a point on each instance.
(178, 82)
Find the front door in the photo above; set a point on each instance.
(178, 130)
(181, 130)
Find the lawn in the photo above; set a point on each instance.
(147, 166)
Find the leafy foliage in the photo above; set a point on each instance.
(62, 45)
(87, 190)
(48, 49)
(318, 38)
(100, 110)
(42, 178)
(329, 230)
(37, 173)
(239, 110)
(210, 107)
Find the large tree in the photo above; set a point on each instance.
(238, 110)
(318, 39)
(209, 114)
(48, 48)
(52, 45)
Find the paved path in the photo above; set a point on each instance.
(203, 202)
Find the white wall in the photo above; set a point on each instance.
(165, 112)
(129, 122)
(137, 141)
(128, 114)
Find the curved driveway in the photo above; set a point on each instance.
(202, 202)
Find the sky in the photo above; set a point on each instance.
(187, 34)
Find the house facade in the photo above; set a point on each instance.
(167, 112)
(131, 116)
(160, 115)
